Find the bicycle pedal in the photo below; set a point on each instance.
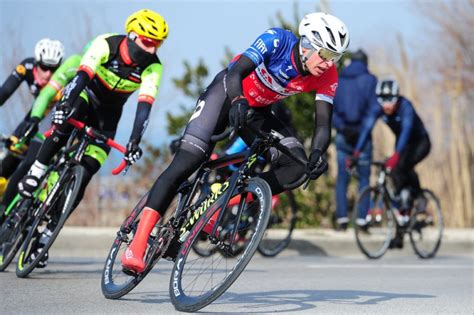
(129, 272)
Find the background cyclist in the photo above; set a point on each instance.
(36, 72)
(412, 141)
(50, 94)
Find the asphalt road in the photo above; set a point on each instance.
(291, 283)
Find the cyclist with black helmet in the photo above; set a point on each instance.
(412, 140)
(278, 64)
(36, 72)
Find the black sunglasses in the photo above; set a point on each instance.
(47, 68)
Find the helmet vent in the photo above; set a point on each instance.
(333, 39)
(343, 38)
(318, 38)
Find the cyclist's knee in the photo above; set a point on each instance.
(194, 146)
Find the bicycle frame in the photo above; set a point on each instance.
(261, 143)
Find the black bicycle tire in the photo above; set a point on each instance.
(77, 172)
(266, 252)
(386, 244)
(109, 289)
(20, 234)
(186, 304)
(417, 251)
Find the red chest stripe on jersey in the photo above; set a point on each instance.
(134, 79)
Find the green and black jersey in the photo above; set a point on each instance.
(109, 76)
(114, 76)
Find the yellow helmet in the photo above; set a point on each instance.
(147, 23)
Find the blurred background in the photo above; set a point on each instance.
(427, 45)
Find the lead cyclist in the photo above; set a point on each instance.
(278, 64)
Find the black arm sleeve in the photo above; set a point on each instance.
(141, 120)
(233, 79)
(8, 87)
(322, 128)
(75, 87)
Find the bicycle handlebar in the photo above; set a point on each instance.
(221, 136)
(97, 135)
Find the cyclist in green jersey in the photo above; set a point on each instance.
(48, 96)
(110, 71)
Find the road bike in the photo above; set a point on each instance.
(55, 199)
(378, 219)
(200, 216)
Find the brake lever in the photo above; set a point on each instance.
(306, 183)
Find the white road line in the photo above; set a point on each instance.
(373, 266)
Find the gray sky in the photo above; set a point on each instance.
(198, 29)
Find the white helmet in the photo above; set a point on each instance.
(320, 30)
(49, 52)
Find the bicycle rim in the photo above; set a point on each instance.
(197, 281)
(374, 237)
(116, 283)
(280, 226)
(426, 226)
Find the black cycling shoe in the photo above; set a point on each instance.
(341, 227)
(396, 242)
(44, 260)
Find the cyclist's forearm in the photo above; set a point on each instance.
(8, 87)
(233, 79)
(42, 101)
(322, 131)
(141, 120)
(75, 87)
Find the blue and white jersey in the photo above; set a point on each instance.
(276, 76)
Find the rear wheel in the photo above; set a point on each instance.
(197, 281)
(280, 226)
(52, 218)
(426, 225)
(374, 222)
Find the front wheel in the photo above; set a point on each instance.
(426, 225)
(115, 281)
(374, 222)
(197, 281)
(52, 217)
(12, 231)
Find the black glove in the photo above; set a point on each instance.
(133, 153)
(317, 165)
(29, 127)
(238, 113)
(351, 134)
(63, 110)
